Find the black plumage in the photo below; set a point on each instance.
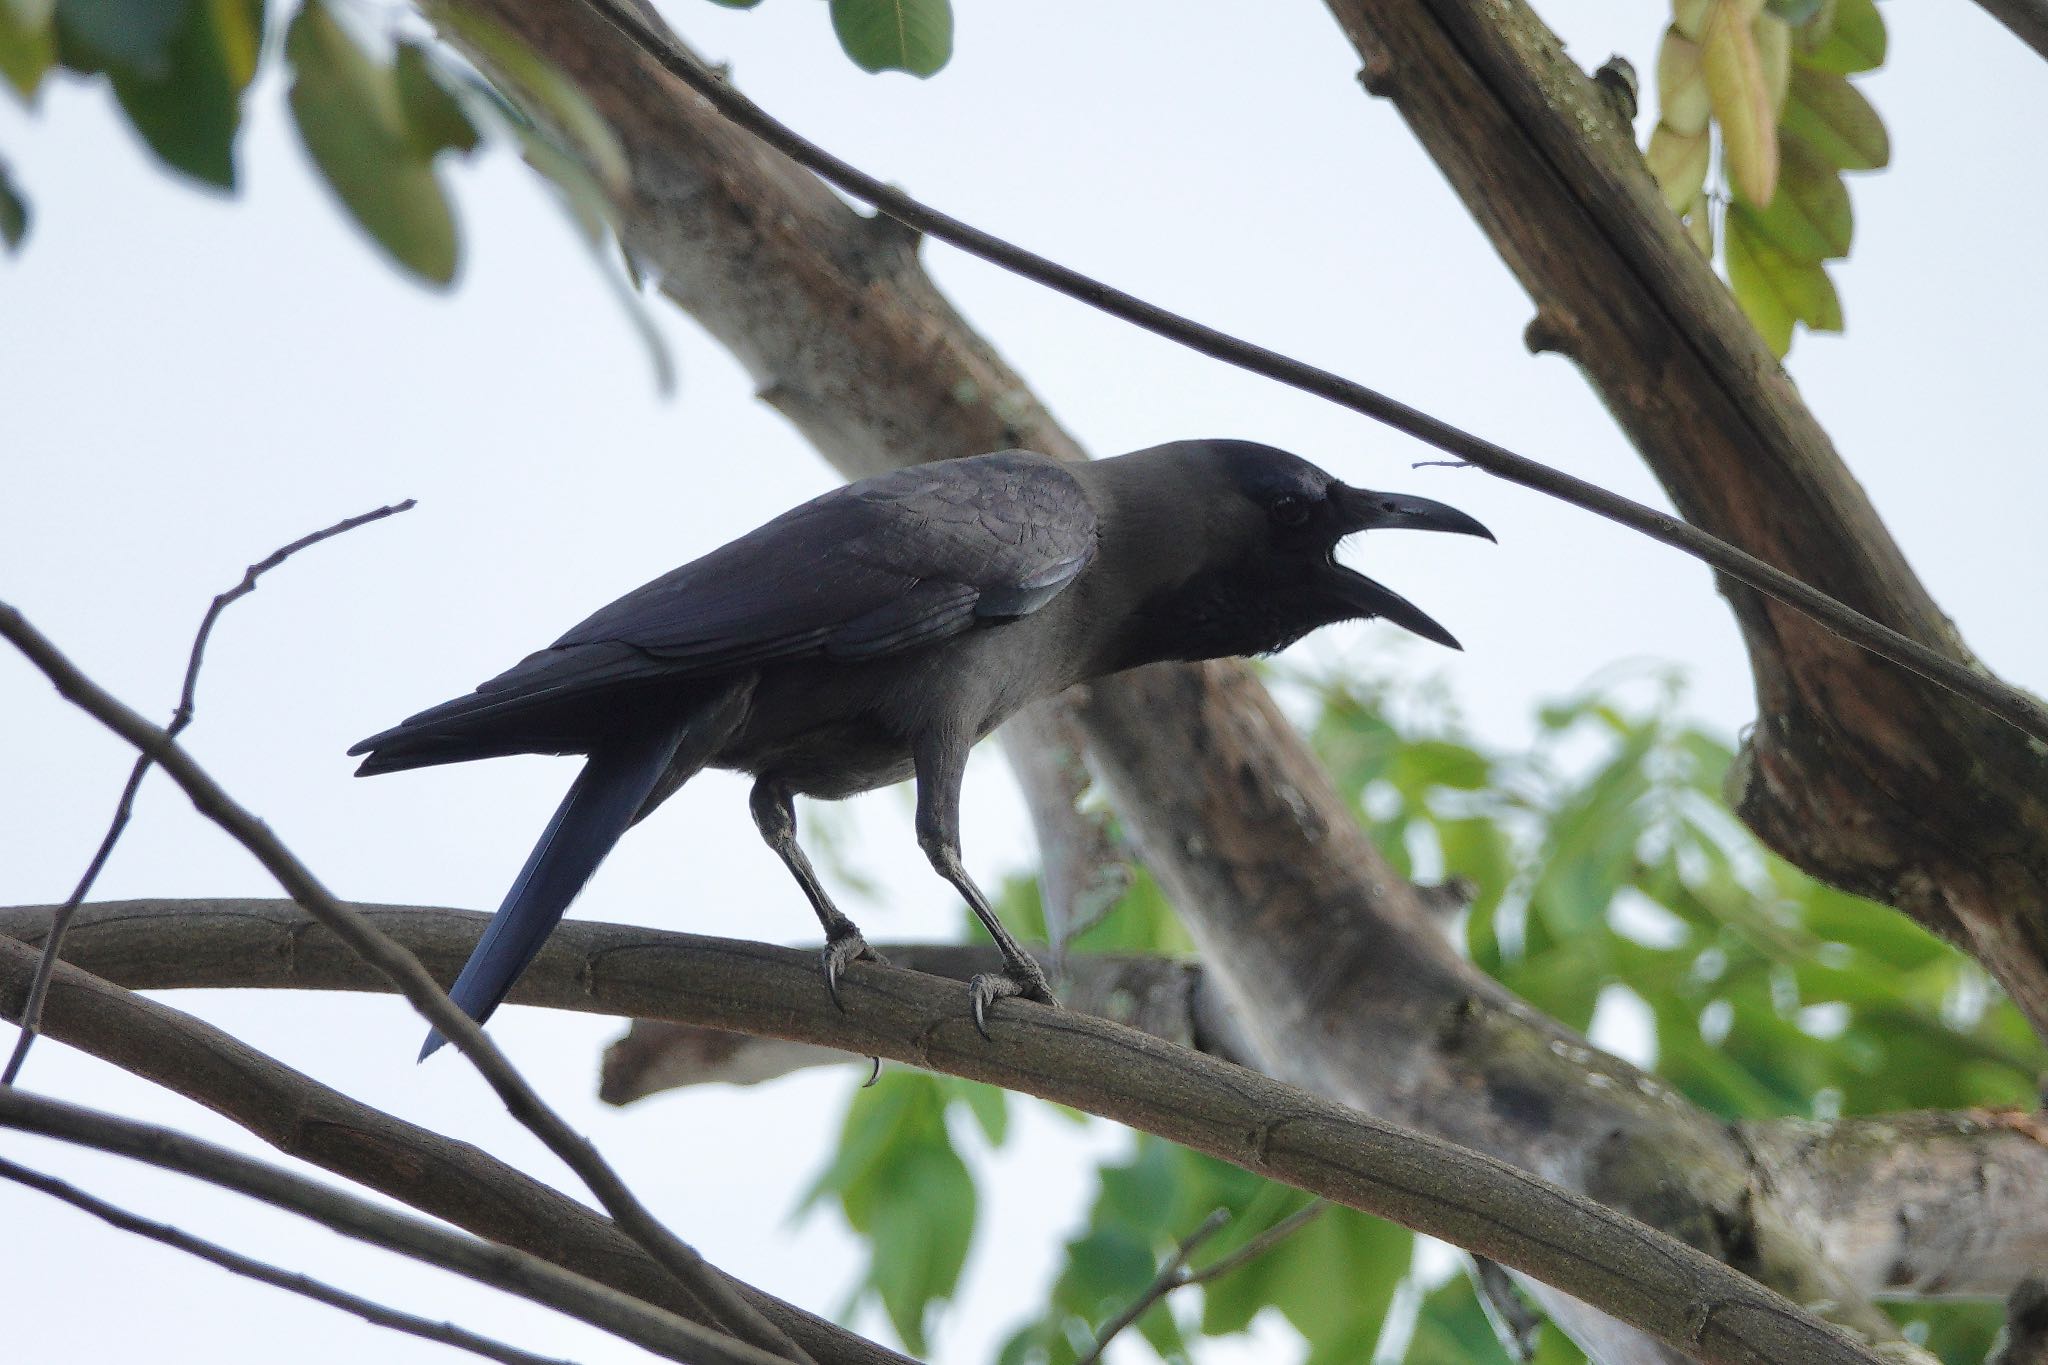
(880, 630)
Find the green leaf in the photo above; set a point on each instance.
(28, 45)
(895, 35)
(191, 112)
(905, 1190)
(1773, 288)
(507, 60)
(433, 119)
(1854, 41)
(987, 1103)
(125, 35)
(13, 211)
(1809, 218)
(349, 115)
(1834, 120)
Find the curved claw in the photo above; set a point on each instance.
(837, 953)
(874, 1072)
(1013, 982)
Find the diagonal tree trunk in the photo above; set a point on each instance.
(1855, 771)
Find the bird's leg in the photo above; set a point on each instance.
(774, 807)
(940, 767)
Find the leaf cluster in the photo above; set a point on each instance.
(1770, 77)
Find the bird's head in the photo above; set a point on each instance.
(1253, 564)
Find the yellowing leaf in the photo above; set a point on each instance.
(1809, 219)
(1689, 17)
(1681, 84)
(1679, 163)
(1741, 101)
(1774, 54)
(1833, 118)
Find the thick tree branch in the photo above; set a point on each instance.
(1855, 771)
(1640, 1276)
(405, 973)
(454, 1181)
(292, 1281)
(2028, 20)
(1975, 1184)
(665, 1334)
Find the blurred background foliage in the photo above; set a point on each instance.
(1610, 887)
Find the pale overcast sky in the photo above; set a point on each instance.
(189, 382)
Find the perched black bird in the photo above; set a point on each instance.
(877, 632)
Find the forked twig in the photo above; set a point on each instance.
(1177, 1273)
(32, 1013)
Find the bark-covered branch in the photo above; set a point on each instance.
(405, 975)
(2028, 20)
(1972, 1186)
(1856, 771)
(452, 1180)
(1638, 1275)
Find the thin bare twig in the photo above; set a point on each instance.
(446, 1333)
(32, 1014)
(2007, 703)
(413, 981)
(487, 1263)
(1261, 1244)
(1165, 1282)
(1176, 1273)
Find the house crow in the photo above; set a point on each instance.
(877, 632)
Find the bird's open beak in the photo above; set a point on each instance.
(1365, 510)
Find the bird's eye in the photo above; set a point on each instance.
(1290, 510)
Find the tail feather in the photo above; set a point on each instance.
(603, 802)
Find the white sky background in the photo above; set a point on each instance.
(187, 382)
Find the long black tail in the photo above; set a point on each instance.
(606, 797)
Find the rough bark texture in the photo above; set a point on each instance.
(1856, 771)
(300, 1117)
(846, 336)
(1913, 1205)
(1659, 1286)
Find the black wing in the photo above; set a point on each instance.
(887, 564)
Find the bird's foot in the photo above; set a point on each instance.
(1021, 978)
(842, 947)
